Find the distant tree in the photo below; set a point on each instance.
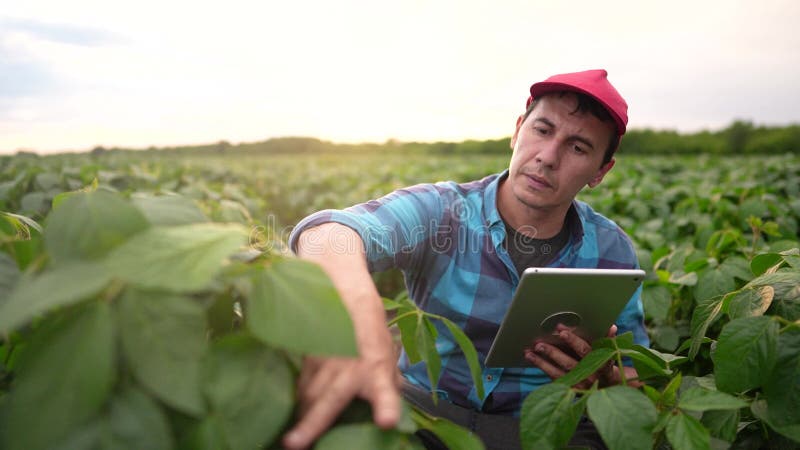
(737, 135)
(24, 152)
(222, 146)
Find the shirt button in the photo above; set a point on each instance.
(488, 378)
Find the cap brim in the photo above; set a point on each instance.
(546, 87)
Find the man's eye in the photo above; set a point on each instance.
(579, 149)
(542, 131)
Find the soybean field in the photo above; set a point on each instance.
(147, 300)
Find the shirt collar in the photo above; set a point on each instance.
(490, 212)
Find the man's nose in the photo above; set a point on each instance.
(549, 153)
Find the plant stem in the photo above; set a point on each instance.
(401, 316)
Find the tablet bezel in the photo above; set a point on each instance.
(598, 296)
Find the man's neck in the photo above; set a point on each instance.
(540, 223)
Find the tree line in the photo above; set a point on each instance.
(741, 137)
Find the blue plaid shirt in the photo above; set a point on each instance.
(447, 238)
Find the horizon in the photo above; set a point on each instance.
(355, 143)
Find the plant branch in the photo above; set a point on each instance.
(400, 317)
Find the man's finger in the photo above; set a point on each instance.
(322, 413)
(321, 379)
(310, 367)
(384, 396)
(576, 343)
(543, 364)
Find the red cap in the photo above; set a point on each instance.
(590, 82)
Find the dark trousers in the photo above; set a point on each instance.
(497, 432)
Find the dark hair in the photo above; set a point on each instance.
(586, 104)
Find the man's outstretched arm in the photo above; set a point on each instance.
(327, 385)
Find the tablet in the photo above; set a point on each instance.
(588, 299)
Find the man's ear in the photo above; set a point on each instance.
(598, 177)
(520, 119)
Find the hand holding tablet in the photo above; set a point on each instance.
(587, 301)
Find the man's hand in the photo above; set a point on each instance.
(556, 361)
(327, 385)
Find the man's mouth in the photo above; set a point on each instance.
(538, 182)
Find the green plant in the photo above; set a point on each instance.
(140, 326)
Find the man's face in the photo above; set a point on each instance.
(557, 153)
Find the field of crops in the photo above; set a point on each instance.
(140, 300)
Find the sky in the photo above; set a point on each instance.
(79, 74)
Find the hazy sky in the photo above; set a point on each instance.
(77, 74)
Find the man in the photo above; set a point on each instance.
(462, 248)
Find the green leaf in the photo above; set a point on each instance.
(59, 198)
(163, 340)
(359, 411)
(749, 302)
(651, 393)
(408, 336)
(136, 421)
(87, 226)
(68, 366)
(182, 258)
(624, 416)
(713, 283)
(622, 341)
(699, 399)
(232, 211)
(782, 389)
(391, 305)
(590, 364)
(647, 366)
(451, 435)
(786, 295)
(221, 315)
(364, 436)
(745, 353)
(666, 337)
(688, 343)
(167, 210)
(9, 274)
(295, 306)
(790, 277)
(549, 417)
(761, 410)
(47, 181)
(704, 315)
(206, 435)
(683, 279)
(657, 301)
(470, 354)
(667, 360)
(706, 381)
(670, 394)
(34, 203)
(763, 262)
(61, 286)
(250, 390)
(684, 431)
(22, 223)
(737, 267)
(426, 341)
(721, 424)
